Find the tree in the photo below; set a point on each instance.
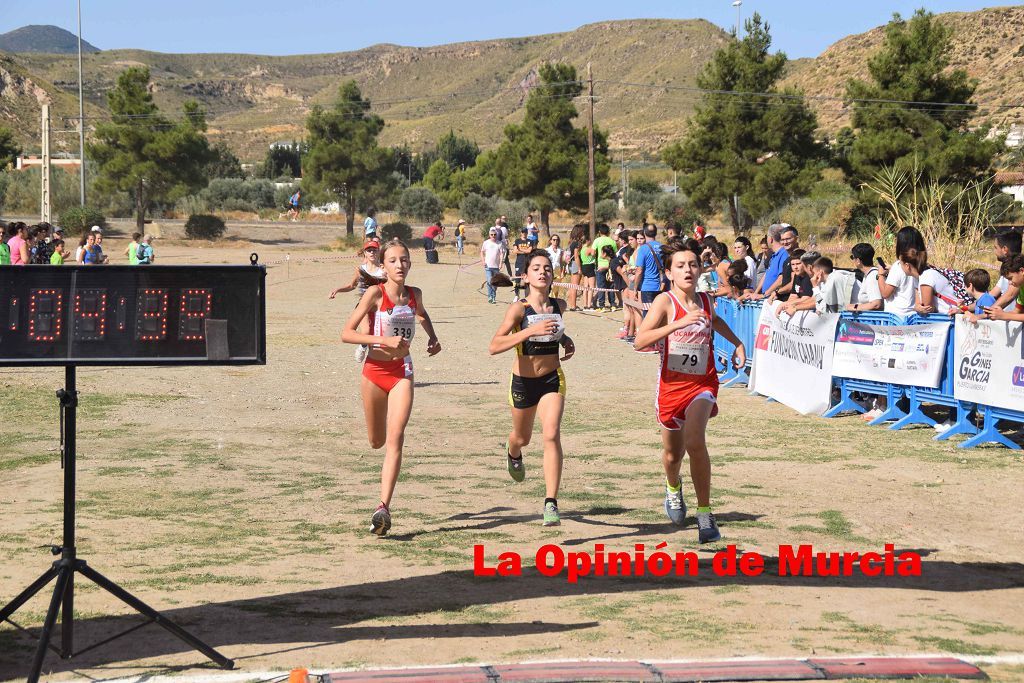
(283, 161)
(545, 157)
(910, 67)
(9, 149)
(344, 160)
(223, 162)
(458, 152)
(142, 152)
(747, 139)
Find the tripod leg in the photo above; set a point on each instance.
(26, 595)
(141, 607)
(64, 575)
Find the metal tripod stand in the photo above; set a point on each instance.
(64, 569)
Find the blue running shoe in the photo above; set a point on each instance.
(675, 508)
(707, 528)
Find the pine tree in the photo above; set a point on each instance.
(545, 157)
(9, 149)
(143, 153)
(911, 67)
(747, 138)
(344, 160)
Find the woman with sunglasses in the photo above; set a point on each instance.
(368, 273)
(557, 255)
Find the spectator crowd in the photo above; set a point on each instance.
(44, 244)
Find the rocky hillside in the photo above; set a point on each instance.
(987, 44)
(477, 88)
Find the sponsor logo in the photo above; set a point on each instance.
(897, 346)
(856, 333)
(764, 333)
(1018, 376)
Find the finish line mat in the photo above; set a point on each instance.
(816, 669)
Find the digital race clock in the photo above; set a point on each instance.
(132, 315)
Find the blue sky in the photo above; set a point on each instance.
(801, 29)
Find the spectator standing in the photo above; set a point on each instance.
(978, 283)
(145, 252)
(133, 249)
(532, 231)
(772, 279)
(1008, 243)
(1013, 271)
(492, 253)
(499, 223)
(522, 248)
(5, 251)
(898, 285)
(602, 270)
(460, 236)
(18, 244)
(557, 255)
(576, 239)
(41, 248)
(100, 256)
(588, 266)
(866, 295)
(743, 249)
(649, 268)
(370, 224)
(58, 255)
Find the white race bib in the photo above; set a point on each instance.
(401, 326)
(532, 320)
(687, 358)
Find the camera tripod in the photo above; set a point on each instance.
(64, 569)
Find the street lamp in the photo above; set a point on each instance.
(737, 4)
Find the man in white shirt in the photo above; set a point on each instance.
(1008, 243)
(492, 253)
(866, 295)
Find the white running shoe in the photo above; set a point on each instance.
(362, 351)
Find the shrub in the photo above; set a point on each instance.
(639, 205)
(606, 211)
(476, 208)
(675, 210)
(190, 204)
(78, 219)
(201, 226)
(421, 204)
(238, 194)
(397, 230)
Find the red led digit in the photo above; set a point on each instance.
(45, 314)
(90, 314)
(151, 315)
(195, 308)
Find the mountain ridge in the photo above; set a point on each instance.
(43, 38)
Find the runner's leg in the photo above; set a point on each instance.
(398, 411)
(672, 454)
(375, 408)
(550, 411)
(522, 430)
(697, 415)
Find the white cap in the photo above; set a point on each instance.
(96, 228)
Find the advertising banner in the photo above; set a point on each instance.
(989, 359)
(900, 354)
(793, 358)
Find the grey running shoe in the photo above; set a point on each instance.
(380, 522)
(551, 517)
(707, 527)
(675, 508)
(516, 466)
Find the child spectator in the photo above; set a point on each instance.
(1013, 271)
(58, 255)
(133, 249)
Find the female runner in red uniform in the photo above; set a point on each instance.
(387, 387)
(534, 328)
(684, 321)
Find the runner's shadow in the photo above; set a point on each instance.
(648, 529)
(453, 384)
(489, 519)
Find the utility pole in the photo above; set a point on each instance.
(590, 150)
(81, 112)
(44, 199)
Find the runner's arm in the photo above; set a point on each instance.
(1007, 297)
(504, 339)
(433, 345)
(346, 288)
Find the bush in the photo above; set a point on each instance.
(675, 210)
(79, 219)
(606, 211)
(640, 204)
(420, 203)
(237, 194)
(396, 230)
(476, 208)
(190, 204)
(201, 226)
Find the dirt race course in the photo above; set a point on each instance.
(238, 501)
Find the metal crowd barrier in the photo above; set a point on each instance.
(742, 319)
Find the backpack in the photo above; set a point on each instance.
(956, 280)
(140, 254)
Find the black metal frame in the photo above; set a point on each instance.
(64, 569)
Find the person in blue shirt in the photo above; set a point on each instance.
(773, 275)
(370, 224)
(978, 283)
(649, 268)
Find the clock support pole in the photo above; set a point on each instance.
(63, 570)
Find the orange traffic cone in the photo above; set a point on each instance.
(299, 676)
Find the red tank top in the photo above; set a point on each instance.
(394, 321)
(687, 355)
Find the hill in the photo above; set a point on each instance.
(43, 39)
(987, 44)
(476, 87)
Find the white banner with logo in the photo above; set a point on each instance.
(793, 358)
(989, 359)
(900, 354)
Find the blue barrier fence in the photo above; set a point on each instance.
(743, 317)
